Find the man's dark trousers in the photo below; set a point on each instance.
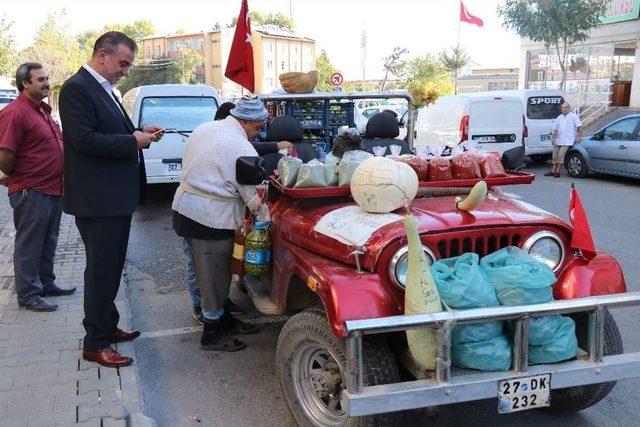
(105, 240)
(36, 217)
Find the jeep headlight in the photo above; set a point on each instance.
(397, 269)
(546, 247)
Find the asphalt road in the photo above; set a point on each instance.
(184, 386)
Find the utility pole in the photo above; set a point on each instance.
(291, 9)
(363, 54)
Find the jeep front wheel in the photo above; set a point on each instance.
(575, 399)
(310, 362)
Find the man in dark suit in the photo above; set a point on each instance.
(103, 174)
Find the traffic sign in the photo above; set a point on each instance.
(336, 79)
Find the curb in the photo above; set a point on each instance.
(138, 420)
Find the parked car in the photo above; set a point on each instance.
(495, 122)
(342, 357)
(614, 149)
(362, 116)
(177, 108)
(541, 108)
(5, 100)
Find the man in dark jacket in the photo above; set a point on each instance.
(103, 174)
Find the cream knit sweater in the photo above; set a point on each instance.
(209, 166)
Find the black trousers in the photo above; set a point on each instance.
(105, 241)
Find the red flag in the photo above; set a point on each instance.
(465, 16)
(240, 63)
(581, 237)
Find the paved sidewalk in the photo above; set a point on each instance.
(43, 379)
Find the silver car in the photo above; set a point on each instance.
(614, 149)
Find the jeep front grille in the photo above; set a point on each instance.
(482, 242)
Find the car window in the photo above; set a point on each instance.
(544, 107)
(370, 112)
(622, 130)
(178, 112)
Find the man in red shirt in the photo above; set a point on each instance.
(31, 159)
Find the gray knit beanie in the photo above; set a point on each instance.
(250, 108)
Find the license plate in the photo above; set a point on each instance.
(545, 138)
(485, 138)
(174, 167)
(524, 393)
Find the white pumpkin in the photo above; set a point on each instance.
(382, 185)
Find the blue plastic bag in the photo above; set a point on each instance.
(462, 283)
(543, 330)
(518, 278)
(476, 332)
(561, 345)
(490, 355)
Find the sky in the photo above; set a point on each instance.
(421, 26)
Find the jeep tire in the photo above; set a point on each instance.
(574, 399)
(310, 362)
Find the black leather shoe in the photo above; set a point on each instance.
(39, 304)
(55, 291)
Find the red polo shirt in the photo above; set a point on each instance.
(28, 130)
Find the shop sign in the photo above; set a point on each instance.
(621, 10)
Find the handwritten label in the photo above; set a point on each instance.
(353, 226)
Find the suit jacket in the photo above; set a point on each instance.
(103, 169)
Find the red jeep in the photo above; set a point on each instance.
(338, 357)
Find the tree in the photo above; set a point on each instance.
(393, 64)
(163, 70)
(325, 70)
(137, 30)
(277, 19)
(556, 23)
(454, 62)
(426, 78)
(8, 54)
(55, 48)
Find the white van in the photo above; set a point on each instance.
(177, 108)
(541, 108)
(495, 122)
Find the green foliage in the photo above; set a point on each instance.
(426, 78)
(325, 69)
(137, 30)
(454, 62)
(278, 19)
(163, 71)
(8, 54)
(55, 48)
(556, 23)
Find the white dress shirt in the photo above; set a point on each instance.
(108, 87)
(567, 127)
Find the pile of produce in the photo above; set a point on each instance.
(296, 82)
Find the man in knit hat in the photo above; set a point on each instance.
(209, 206)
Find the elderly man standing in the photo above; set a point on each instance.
(31, 159)
(567, 129)
(209, 206)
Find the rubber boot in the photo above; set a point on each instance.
(214, 338)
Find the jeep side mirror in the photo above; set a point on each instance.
(250, 170)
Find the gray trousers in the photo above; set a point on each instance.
(36, 217)
(212, 260)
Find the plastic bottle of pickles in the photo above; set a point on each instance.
(257, 256)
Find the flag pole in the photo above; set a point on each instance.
(458, 44)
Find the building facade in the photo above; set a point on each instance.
(156, 47)
(605, 61)
(275, 51)
(488, 79)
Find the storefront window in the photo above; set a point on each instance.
(593, 63)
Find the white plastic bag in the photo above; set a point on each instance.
(379, 151)
(331, 169)
(355, 156)
(395, 149)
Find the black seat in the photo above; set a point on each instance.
(382, 131)
(287, 128)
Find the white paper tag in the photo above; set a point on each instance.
(353, 226)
